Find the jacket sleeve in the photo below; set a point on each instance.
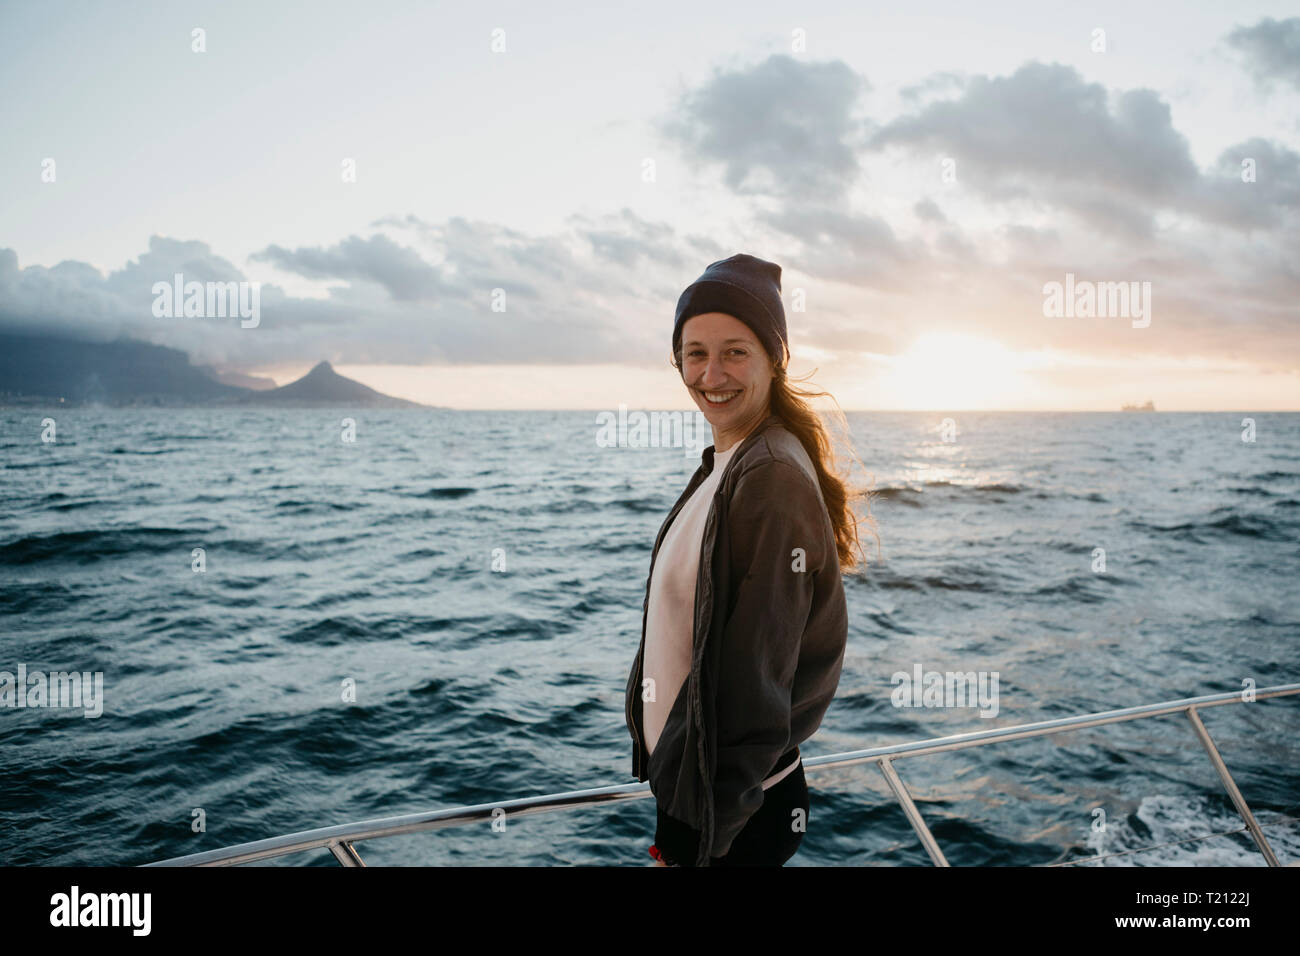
(776, 525)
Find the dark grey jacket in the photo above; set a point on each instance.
(769, 637)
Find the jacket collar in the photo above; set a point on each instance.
(707, 456)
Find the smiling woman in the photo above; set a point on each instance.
(745, 620)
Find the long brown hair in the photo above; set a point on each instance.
(789, 403)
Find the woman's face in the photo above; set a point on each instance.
(722, 358)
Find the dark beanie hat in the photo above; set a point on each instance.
(747, 288)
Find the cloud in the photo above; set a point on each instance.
(406, 276)
(1270, 200)
(75, 299)
(1054, 174)
(935, 83)
(848, 247)
(1271, 50)
(585, 296)
(629, 241)
(1044, 132)
(783, 127)
(1045, 136)
(927, 210)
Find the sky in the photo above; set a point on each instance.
(496, 205)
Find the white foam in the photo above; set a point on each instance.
(1170, 818)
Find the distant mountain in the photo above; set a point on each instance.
(324, 386)
(37, 369)
(126, 372)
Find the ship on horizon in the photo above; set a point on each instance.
(1148, 407)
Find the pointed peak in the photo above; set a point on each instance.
(321, 366)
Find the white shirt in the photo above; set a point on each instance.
(670, 616)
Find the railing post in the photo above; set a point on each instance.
(1231, 786)
(346, 854)
(913, 814)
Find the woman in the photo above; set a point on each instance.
(744, 622)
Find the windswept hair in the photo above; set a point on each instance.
(789, 403)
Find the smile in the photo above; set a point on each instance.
(719, 398)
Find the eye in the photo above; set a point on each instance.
(735, 350)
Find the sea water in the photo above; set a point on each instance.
(302, 623)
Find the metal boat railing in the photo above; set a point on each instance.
(341, 840)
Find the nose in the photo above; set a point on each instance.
(714, 376)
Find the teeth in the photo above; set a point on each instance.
(720, 398)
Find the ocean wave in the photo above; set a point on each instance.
(457, 492)
(332, 631)
(299, 507)
(903, 496)
(913, 494)
(641, 505)
(1244, 525)
(95, 544)
(950, 580)
(1001, 487)
(1275, 476)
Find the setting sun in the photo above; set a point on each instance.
(947, 370)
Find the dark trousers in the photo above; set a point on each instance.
(772, 835)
